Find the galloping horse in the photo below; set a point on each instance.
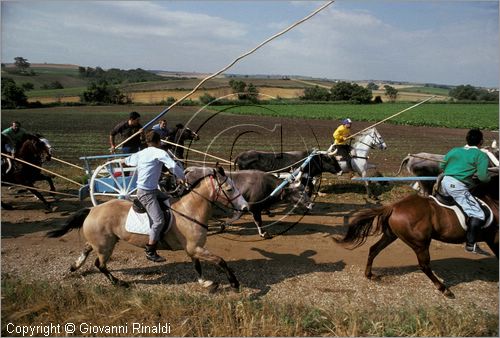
(369, 139)
(35, 150)
(178, 136)
(417, 220)
(104, 225)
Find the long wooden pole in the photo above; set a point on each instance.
(39, 189)
(227, 67)
(390, 117)
(35, 166)
(68, 163)
(196, 151)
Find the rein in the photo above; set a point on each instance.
(212, 202)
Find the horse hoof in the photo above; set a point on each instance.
(265, 235)
(448, 294)
(213, 288)
(122, 283)
(206, 283)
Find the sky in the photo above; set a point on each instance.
(444, 42)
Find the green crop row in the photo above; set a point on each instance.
(484, 116)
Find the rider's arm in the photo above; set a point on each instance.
(112, 143)
(174, 168)
(482, 168)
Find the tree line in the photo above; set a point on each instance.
(348, 92)
(102, 89)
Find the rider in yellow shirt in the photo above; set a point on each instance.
(340, 136)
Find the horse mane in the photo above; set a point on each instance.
(490, 189)
(363, 133)
(195, 183)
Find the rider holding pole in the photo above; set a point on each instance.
(341, 136)
(130, 130)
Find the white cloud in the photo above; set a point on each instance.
(337, 43)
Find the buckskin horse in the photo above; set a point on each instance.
(417, 220)
(104, 225)
(35, 150)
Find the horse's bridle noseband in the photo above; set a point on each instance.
(220, 189)
(378, 140)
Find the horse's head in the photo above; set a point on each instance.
(376, 140)
(188, 134)
(225, 191)
(184, 133)
(35, 148)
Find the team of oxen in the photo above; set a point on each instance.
(256, 187)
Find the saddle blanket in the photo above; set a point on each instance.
(141, 223)
(461, 216)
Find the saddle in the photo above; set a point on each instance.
(449, 203)
(139, 222)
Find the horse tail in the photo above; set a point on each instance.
(74, 222)
(362, 225)
(405, 160)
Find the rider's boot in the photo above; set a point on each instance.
(471, 236)
(152, 255)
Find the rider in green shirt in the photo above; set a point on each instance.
(459, 166)
(16, 136)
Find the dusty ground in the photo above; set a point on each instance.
(302, 266)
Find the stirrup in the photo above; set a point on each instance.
(476, 249)
(154, 257)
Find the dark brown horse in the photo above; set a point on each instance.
(417, 220)
(35, 150)
(178, 136)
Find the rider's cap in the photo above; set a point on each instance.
(347, 121)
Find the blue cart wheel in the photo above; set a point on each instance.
(113, 180)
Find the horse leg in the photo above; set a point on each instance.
(37, 194)
(205, 283)
(103, 254)
(387, 238)
(81, 259)
(205, 255)
(493, 246)
(424, 260)
(257, 218)
(51, 185)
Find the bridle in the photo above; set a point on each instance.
(376, 140)
(216, 193)
(218, 190)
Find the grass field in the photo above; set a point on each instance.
(484, 116)
(224, 315)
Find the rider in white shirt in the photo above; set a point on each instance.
(149, 163)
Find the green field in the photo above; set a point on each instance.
(484, 116)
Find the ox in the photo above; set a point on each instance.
(427, 164)
(280, 162)
(256, 187)
(422, 164)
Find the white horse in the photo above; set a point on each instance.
(363, 143)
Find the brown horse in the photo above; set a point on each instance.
(36, 150)
(104, 225)
(416, 220)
